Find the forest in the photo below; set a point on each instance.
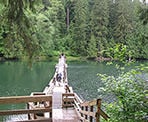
(113, 29)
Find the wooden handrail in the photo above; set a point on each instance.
(93, 115)
(78, 99)
(24, 111)
(89, 103)
(85, 109)
(68, 99)
(28, 100)
(24, 99)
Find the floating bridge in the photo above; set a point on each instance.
(57, 103)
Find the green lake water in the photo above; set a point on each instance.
(16, 78)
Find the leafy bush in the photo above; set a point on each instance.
(130, 97)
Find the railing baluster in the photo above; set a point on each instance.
(90, 117)
(86, 109)
(98, 110)
(91, 111)
(82, 110)
(28, 108)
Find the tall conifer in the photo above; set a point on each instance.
(80, 25)
(100, 19)
(124, 21)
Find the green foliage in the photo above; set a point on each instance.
(17, 29)
(143, 11)
(1, 47)
(40, 27)
(92, 49)
(129, 90)
(118, 52)
(80, 26)
(124, 21)
(137, 43)
(99, 18)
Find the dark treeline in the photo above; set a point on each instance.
(115, 29)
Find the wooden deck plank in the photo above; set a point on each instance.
(65, 115)
(39, 120)
(62, 114)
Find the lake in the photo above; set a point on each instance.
(17, 78)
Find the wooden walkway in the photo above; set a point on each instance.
(57, 102)
(61, 114)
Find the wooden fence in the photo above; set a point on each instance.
(25, 99)
(91, 111)
(88, 111)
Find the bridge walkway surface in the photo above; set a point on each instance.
(61, 114)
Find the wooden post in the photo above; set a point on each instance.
(82, 108)
(98, 110)
(50, 113)
(86, 109)
(28, 114)
(91, 110)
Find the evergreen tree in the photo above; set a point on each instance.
(124, 21)
(92, 49)
(80, 25)
(19, 29)
(100, 16)
(137, 40)
(57, 17)
(143, 11)
(112, 17)
(44, 31)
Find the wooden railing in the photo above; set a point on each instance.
(88, 111)
(91, 111)
(25, 99)
(68, 100)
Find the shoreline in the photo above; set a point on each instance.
(69, 58)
